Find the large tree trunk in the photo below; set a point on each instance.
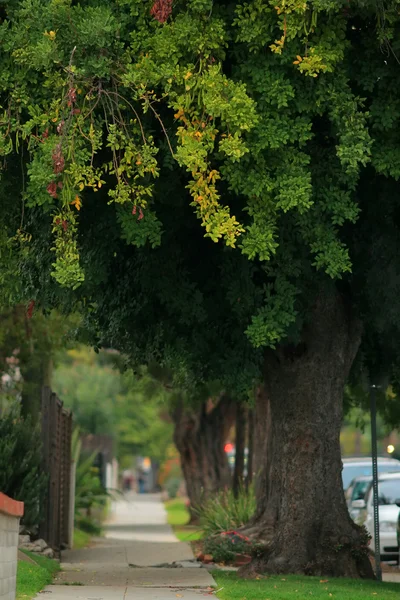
(200, 435)
(240, 443)
(302, 508)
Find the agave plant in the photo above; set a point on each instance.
(89, 492)
(223, 512)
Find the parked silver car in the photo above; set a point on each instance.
(356, 492)
(362, 467)
(389, 510)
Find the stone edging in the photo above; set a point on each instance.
(10, 507)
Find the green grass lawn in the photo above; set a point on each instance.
(81, 539)
(291, 587)
(32, 578)
(178, 516)
(177, 512)
(188, 533)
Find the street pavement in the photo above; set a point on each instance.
(132, 561)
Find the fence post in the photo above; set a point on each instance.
(65, 479)
(55, 472)
(45, 523)
(55, 528)
(72, 505)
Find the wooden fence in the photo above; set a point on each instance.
(56, 527)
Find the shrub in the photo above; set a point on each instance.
(172, 486)
(223, 512)
(224, 547)
(89, 492)
(21, 472)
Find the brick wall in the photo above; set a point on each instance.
(10, 513)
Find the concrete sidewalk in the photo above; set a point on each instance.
(132, 561)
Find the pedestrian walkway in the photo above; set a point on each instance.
(391, 577)
(138, 559)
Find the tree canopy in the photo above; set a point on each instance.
(281, 113)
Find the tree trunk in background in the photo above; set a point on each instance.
(30, 371)
(155, 466)
(30, 396)
(200, 435)
(250, 445)
(302, 507)
(241, 421)
(261, 526)
(357, 443)
(28, 343)
(36, 365)
(36, 372)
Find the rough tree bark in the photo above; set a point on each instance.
(238, 473)
(200, 435)
(301, 504)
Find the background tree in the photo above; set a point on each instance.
(203, 417)
(131, 409)
(28, 347)
(200, 433)
(89, 389)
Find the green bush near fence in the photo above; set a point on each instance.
(21, 472)
(90, 496)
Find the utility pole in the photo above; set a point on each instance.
(375, 483)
